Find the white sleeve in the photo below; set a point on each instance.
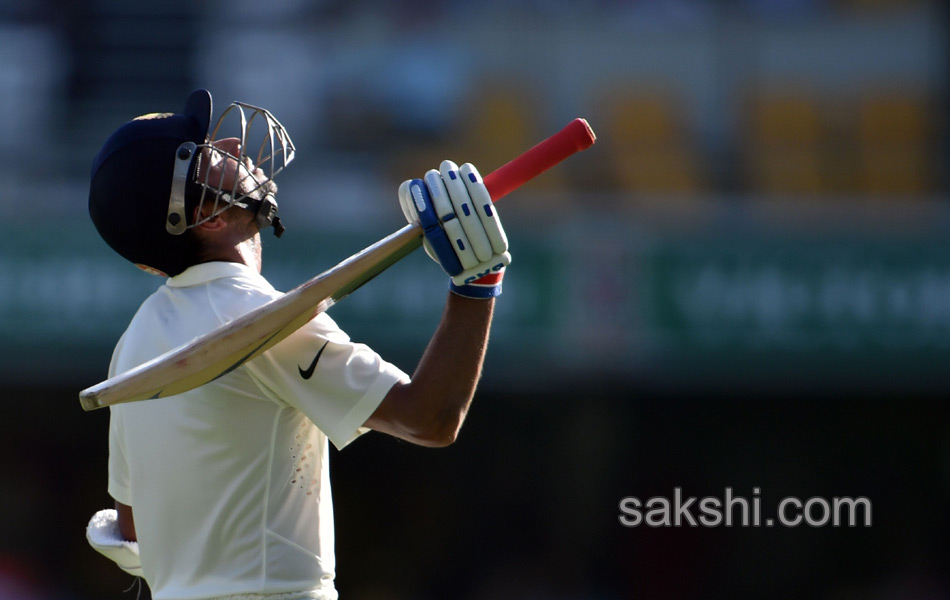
(337, 383)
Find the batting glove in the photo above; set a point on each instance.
(462, 230)
(103, 535)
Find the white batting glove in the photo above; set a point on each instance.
(462, 230)
(103, 535)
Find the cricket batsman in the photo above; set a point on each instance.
(223, 492)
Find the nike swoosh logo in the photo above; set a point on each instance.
(309, 372)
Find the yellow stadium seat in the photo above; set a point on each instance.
(648, 149)
(893, 131)
(782, 141)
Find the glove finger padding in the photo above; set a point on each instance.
(449, 217)
(464, 206)
(417, 208)
(463, 232)
(405, 203)
(409, 211)
(485, 209)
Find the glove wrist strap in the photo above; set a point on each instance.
(483, 288)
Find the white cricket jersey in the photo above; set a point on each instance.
(229, 482)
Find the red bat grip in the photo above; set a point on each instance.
(577, 136)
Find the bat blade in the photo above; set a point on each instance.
(227, 347)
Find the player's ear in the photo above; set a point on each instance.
(215, 223)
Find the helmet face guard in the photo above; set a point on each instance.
(161, 174)
(239, 173)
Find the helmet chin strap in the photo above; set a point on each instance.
(266, 215)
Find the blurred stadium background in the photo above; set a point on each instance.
(745, 283)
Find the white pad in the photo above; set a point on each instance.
(405, 203)
(448, 216)
(412, 216)
(464, 209)
(484, 207)
(103, 535)
(487, 268)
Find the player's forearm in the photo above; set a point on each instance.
(126, 521)
(451, 366)
(430, 409)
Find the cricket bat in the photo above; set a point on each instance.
(230, 345)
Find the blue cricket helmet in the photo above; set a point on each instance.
(132, 180)
(148, 179)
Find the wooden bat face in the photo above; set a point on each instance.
(224, 349)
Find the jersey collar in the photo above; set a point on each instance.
(209, 271)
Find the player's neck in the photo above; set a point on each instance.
(247, 252)
(228, 238)
(250, 252)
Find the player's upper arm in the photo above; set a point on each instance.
(337, 383)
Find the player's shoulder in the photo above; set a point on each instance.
(234, 296)
(326, 327)
(249, 283)
(218, 291)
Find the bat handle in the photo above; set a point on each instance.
(576, 136)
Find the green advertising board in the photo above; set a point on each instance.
(595, 299)
(844, 308)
